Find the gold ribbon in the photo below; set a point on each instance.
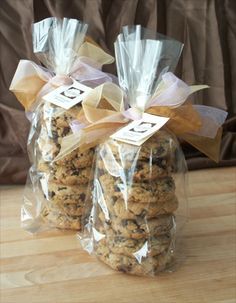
(184, 121)
(102, 114)
(102, 110)
(27, 88)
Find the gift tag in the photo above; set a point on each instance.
(67, 96)
(138, 131)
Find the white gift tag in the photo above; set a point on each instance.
(67, 96)
(138, 131)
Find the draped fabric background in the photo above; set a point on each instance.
(206, 27)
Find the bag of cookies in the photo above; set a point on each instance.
(51, 93)
(139, 200)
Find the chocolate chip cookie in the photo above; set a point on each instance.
(161, 145)
(77, 159)
(150, 192)
(134, 229)
(118, 208)
(54, 125)
(143, 266)
(66, 175)
(140, 171)
(57, 120)
(60, 220)
(69, 200)
(134, 204)
(135, 247)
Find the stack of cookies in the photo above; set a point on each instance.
(134, 195)
(64, 182)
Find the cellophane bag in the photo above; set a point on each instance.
(139, 197)
(56, 190)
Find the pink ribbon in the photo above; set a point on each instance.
(174, 93)
(84, 70)
(133, 114)
(59, 80)
(88, 72)
(212, 118)
(76, 126)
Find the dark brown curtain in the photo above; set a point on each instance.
(207, 28)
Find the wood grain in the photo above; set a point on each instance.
(52, 268)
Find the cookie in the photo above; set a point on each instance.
(133, 248)
(140, 171)
(57, 120)
(65, 175)
(68, 209)
(162, 144)
(77, 159)
(47, 147)
(59, 193)
(68, 200)
(54, 124)
(118, 208)
(142, 266)
(150, 192)
(62, 221)
(134, 229)
(69, 176)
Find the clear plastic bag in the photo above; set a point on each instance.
(139, 204)
(56, 190)
(139, 198)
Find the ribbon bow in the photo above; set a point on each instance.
(32, 81)
(104, 113)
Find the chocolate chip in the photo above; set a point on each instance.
(65, 131)
(116, 188)
(61, 188)
(170, 183)
(159, 162)
(114, 199)
(82, 196)
(143, 213)
(54, 134)
(123, 268)
(51, 194)
(74, 217)
(75, 173)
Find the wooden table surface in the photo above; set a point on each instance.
(51, 267)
